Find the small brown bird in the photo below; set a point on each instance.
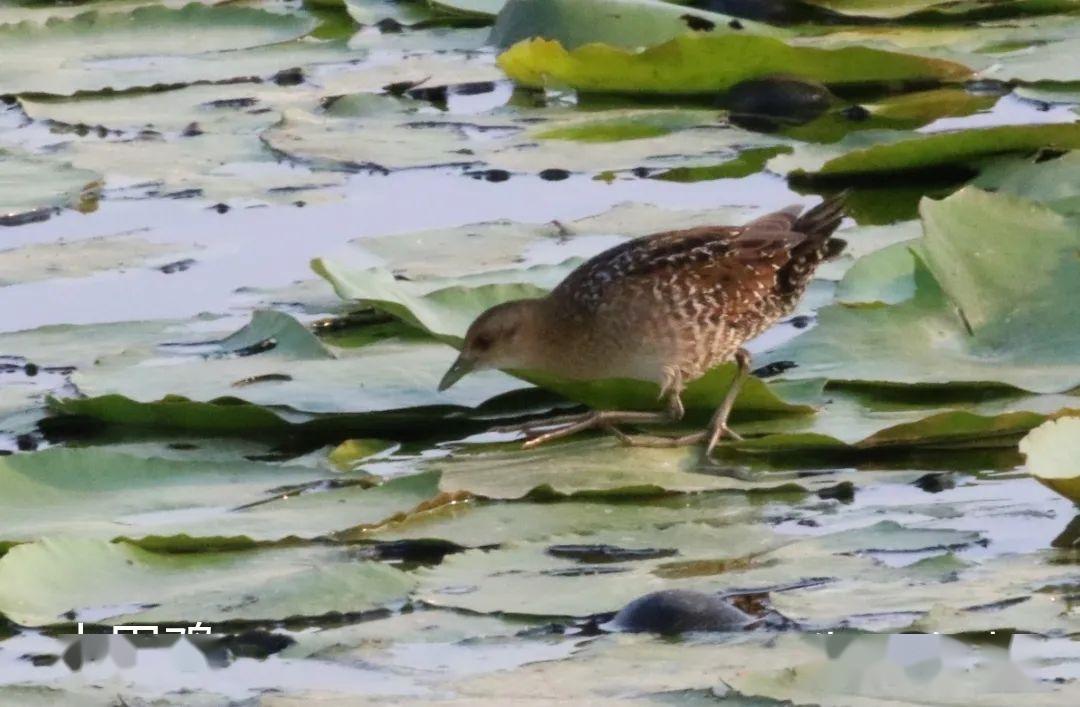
(664, 308)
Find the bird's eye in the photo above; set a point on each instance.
(482, 343)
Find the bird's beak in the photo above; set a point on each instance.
(457, 371)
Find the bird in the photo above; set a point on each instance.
(667, 308)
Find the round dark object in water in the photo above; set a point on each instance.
(784, 99)
(674, 611)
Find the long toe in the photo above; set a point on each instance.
(590, 421)
(718, 434)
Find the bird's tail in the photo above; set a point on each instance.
(819, 223)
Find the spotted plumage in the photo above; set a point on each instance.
(666, 307)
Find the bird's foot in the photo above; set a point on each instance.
(571, 425)
(717, 433)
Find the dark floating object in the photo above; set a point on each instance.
(430, 551)
(641, 172)
(221, 208)
(843, 492)
(26, 442)
(289, 77)
(231, 103)
(474, 88)
(554, 175)
(490, 175)
(776, 100)
(673, 611)
(856, 113)
(192, 130)
(176, 266)
(800, 321)
(31, 369)
(256, 643)
(598, 554)
(935, 483)
(698, 24)
(388, 25)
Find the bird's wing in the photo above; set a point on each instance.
(711, 255)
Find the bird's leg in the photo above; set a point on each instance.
(671, 388)
(718, 426)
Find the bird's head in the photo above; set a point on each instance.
(501, 337)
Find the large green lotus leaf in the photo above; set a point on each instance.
(1050, 452)
(1054, 182)
(41, 11)
(406, 12)
(932, 11)
(470, 8)
(233, 417)
(594, 468)
(633, 139)
(480, 523)
(621, 23)
(215, 166)
(898, 152)
(690, 64)
(45, 261)
(32, 188)
(58, 56)
(886, 276)
(369, 143)
(91, 493)
(442, 307)
(1050, 92)
(701, 397)
(381, 377)
(1000, 309)
(525, 579)
(981, 585)
(122, 584)
(500, 245)
(431, 643)
(238, 107)
(1043, 61)
(384, 133)
(81, 345)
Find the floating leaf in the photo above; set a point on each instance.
(1051, 455)
(901, 153)
(92, 493)
(690, 64)
(987, 306)
(32, 189)
(68, 55)
(122, 584)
